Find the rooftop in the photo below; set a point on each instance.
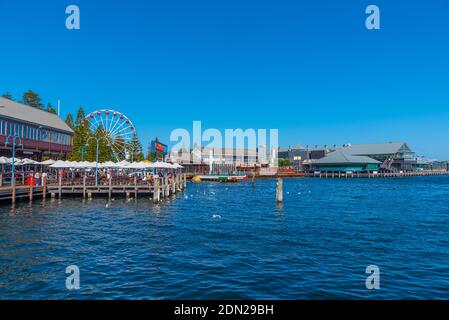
(339, 157)
(15, 110)
(376, 148)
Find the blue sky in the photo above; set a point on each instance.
(308, 68)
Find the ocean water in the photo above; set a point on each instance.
(230, 241)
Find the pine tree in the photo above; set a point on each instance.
(32, 99)
(50, 108)
(81, 134)
(69, 121)
(136, 150)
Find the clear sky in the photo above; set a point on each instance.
(308, 68)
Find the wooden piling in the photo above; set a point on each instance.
(167, 187)
(253, 182)
(44, 187)
(60, 186)
(156, 193)
(13, 191)
(184, 176)
(31, 190)
(110, 188)
(279, 191)
(84, 186)
(179, 181)
(135, 187)
(173, 185)
(1, 180)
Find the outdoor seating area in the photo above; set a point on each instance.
(27, 171)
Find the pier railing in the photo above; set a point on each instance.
(86, 186)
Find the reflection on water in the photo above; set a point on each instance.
(232, 241)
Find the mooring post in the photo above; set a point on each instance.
(60, 186)
(279, 191)
(167, 186)
(13, 191)
(184, 176)
(135, 187)
(110, 187)
(84, 186)
(44, 187)
(31, 189)
(162, 187)
(1, 180)
(178, 182)
(253, 182)
(156, 194)
(173, 184)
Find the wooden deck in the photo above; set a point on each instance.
(159, 189)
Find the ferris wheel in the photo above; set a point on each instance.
(118, 129)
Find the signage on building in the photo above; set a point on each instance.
(159, 149)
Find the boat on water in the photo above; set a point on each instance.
(220, 178)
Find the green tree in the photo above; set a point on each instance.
(8, 96)
(104, 149)
(32, 99)
(284, 163)
(136, 151)
(50, 108)
(69, 121)
(81, 133)
(151, 156)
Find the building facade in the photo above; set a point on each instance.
(37, 133)
(394, 156)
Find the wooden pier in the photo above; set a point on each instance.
(340, 175)
(158, 189)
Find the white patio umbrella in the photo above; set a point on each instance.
(123, 164)
(161, 165)
(28, 162)
(48, 162)
(17, 162)
(4, 160)
(138, 165)
(108, 164)
(63, 165)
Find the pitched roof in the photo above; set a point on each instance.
(15, 110)
(339, 157)
(376, 148)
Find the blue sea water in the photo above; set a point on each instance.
(230, 241)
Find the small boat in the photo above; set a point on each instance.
(224, 178)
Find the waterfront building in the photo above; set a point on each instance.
(339, 161)
(395, 156)
(300, 157)
(42, 133)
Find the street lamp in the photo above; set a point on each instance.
(97, 140)
(82, 150)
(14, 144)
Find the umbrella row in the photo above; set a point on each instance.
(18, 162)
(114, 165)
(89, 165)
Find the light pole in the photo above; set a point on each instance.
(97, 140)
(14, 144)
(82, 150)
